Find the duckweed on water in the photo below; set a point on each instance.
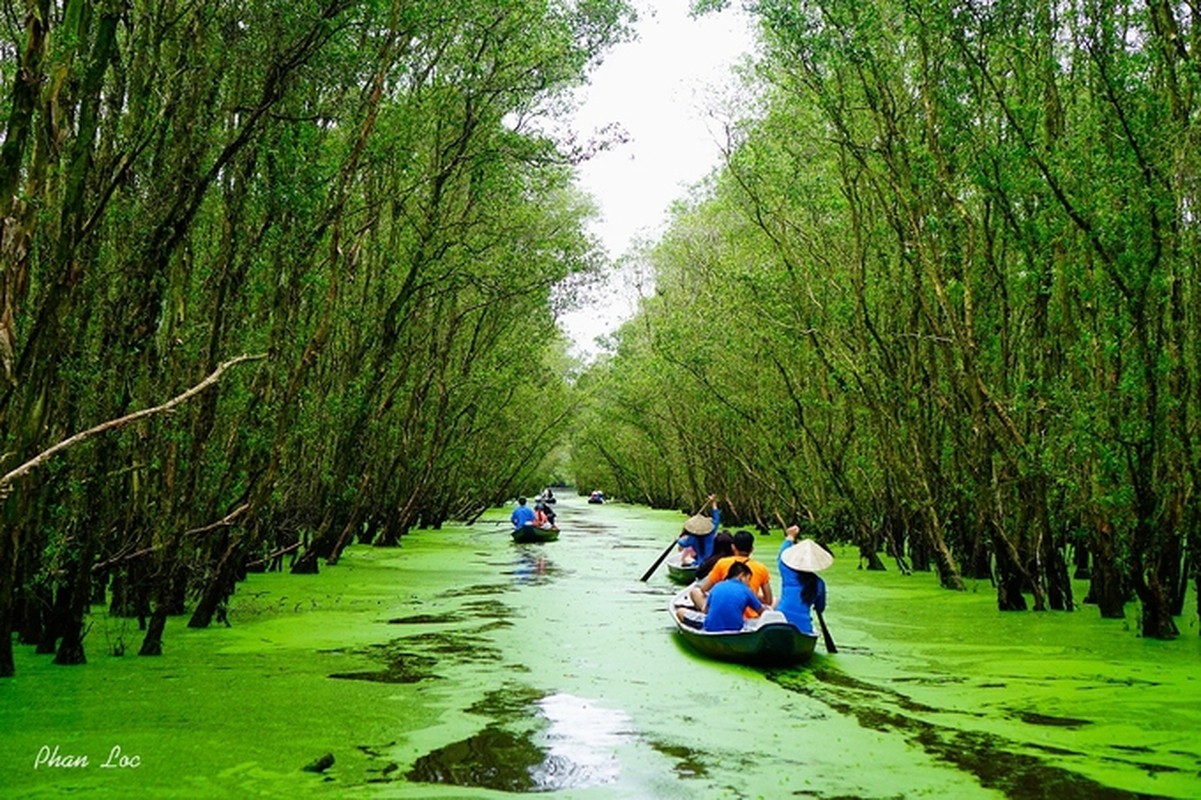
(426, 619)
(562, 678)
(400, 666)
(688, 763)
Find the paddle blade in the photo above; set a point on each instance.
(826, 637)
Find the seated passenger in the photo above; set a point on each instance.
(744, 545)
(522, 515)
(729, 601)
(541, 520)
(723, 546)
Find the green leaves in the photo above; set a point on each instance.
(948, 267)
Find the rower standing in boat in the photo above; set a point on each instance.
(522, 515)
(801, 590)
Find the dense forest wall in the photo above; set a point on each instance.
(357, 195)
(940, 300)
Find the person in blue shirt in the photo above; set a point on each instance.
(801, 590)
(729, 599)
(699, 540)
(522, 515)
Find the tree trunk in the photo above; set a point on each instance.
(152, 643)
(979, 563)
(1157, 622)
(54, 622)
(1106, 588)
(1010, 581)
(30, 614)
(1059, 586)
(867, 552)
(219, 588)
(8, 667)
(1080, 558)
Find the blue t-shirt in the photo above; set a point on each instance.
(522, 516)
(727, 602)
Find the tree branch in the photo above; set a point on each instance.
(113, 424)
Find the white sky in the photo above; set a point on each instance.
(669, 89)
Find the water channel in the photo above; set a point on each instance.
(461, 665)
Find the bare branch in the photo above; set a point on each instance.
(124, 555)
(113, 424)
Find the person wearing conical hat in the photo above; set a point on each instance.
(801, 590)
(696, 539)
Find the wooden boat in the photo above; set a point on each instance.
(769, 644)
(679, 573)
(532, 533)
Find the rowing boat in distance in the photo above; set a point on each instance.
(768, 643)
(533, 534)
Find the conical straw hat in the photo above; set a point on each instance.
(699, 525)
(807, 556)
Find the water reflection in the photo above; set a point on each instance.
(533, 567)
(555, 742)
(582, 742)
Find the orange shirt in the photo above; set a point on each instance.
(760, 577)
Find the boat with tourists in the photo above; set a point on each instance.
(767, 643)
(532, 534)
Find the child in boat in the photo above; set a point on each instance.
(541, 519)
(725, 604)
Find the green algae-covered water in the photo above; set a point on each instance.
(461, 665)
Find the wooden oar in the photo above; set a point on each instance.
(646, 575)
(826, 637)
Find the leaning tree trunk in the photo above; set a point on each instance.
(219, 588)
(164, 600)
